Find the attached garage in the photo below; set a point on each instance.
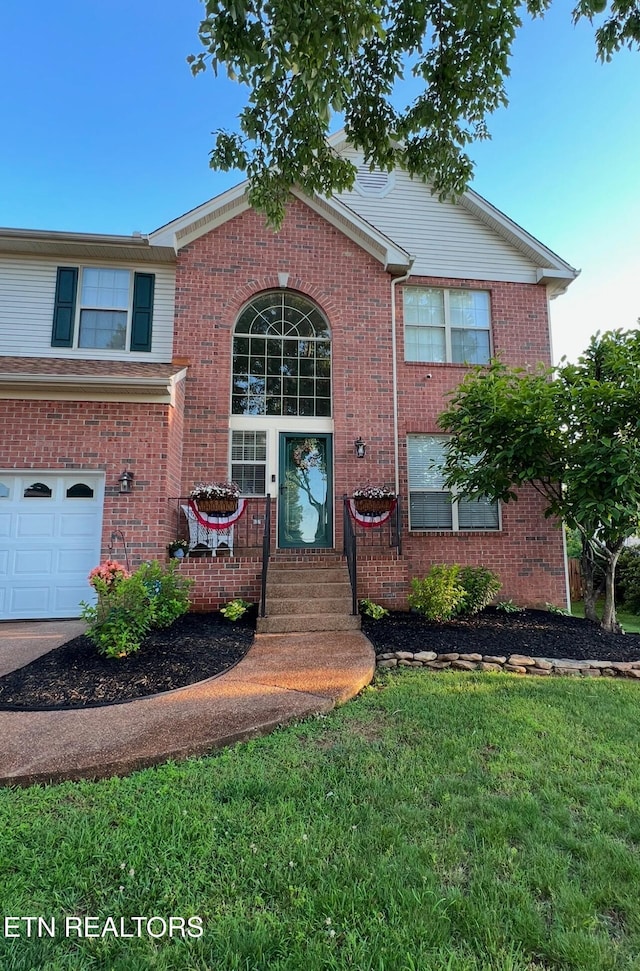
(50, 532)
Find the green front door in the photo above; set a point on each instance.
(305, 495)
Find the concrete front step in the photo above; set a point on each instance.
(311, 589)
(308, 605)
(295, 623)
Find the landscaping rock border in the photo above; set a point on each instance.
(513, 664)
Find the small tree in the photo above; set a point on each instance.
(571, 432)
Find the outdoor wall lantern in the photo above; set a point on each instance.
(126, 481)
(360, 448)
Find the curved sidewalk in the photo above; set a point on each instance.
(283, 678)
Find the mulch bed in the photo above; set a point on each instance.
(199, 646)
(195, 647)
(537, 633)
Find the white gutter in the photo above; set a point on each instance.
(394, 365)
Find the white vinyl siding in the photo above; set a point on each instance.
(446, 239)
(27, 297)
(431, 505)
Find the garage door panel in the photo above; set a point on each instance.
(78, 562)
(31, 600)
(67, 598)
(4, 563)
(30, 525)
(81, 524)
(33, 562)
(5, 524)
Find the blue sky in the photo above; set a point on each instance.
(104, 129)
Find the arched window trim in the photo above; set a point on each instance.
(281, 357)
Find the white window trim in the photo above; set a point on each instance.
(447, 323)
(274, 425)
(80, 307)
(455, 524)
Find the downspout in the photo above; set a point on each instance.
(394, 373)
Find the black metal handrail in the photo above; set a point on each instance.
(350, 545)
(266, 553)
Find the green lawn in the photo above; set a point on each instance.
(630, 622)
(449, 821)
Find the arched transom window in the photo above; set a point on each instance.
(281, 358)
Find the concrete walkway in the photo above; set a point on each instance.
(283, 678)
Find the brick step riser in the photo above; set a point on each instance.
(313, 622)
(295, 606)
(306, 563)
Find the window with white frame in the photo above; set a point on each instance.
(249, 462)
(103, 308)
(431, 504)
(447, 326)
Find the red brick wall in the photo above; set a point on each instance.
(109, 437)
(219, 272)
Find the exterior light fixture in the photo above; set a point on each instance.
(360, 448)
(126, 482)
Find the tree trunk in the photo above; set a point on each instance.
(609, 622)
(590, 591)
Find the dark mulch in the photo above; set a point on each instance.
(537, 633)
(195, 647)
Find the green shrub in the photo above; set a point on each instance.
(130, 607)
(371, 609)
(509, 607)
(167, 589)
(480, 587)
(235, 609)
(439, 595)
(628, 579)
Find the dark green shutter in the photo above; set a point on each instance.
(143, 285)
(64, 310)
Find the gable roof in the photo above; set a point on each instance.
(217, 211)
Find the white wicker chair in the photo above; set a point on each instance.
(199, 535)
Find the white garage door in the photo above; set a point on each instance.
(50, 529)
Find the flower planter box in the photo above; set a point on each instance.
(373, 507)
(220, 506)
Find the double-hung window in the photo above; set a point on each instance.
(249, 462)
(431, 504)
(103, 308)
(447, 326)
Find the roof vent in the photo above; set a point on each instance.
(373, 182)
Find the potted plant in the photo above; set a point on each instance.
(178, 549)
(216, 497)
(373, 500)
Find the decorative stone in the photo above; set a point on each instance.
(463, 665)
(521, 661)
(608, 673)
(404, 655)
(634, 673)
(494, 659)
(385, 657)
(543, 665)
(591, 672)
(515, 668)
(622, 666)
(438, 665)
(488, 666)
(404, 663)
(448, 657)
(470, 657)
(541, 671)
(425, 656)
(389, 663)
(567, 672)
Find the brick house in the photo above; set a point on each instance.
(214, 348)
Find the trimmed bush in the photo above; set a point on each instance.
(129, 606)
(480, 587)
(439, 595)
